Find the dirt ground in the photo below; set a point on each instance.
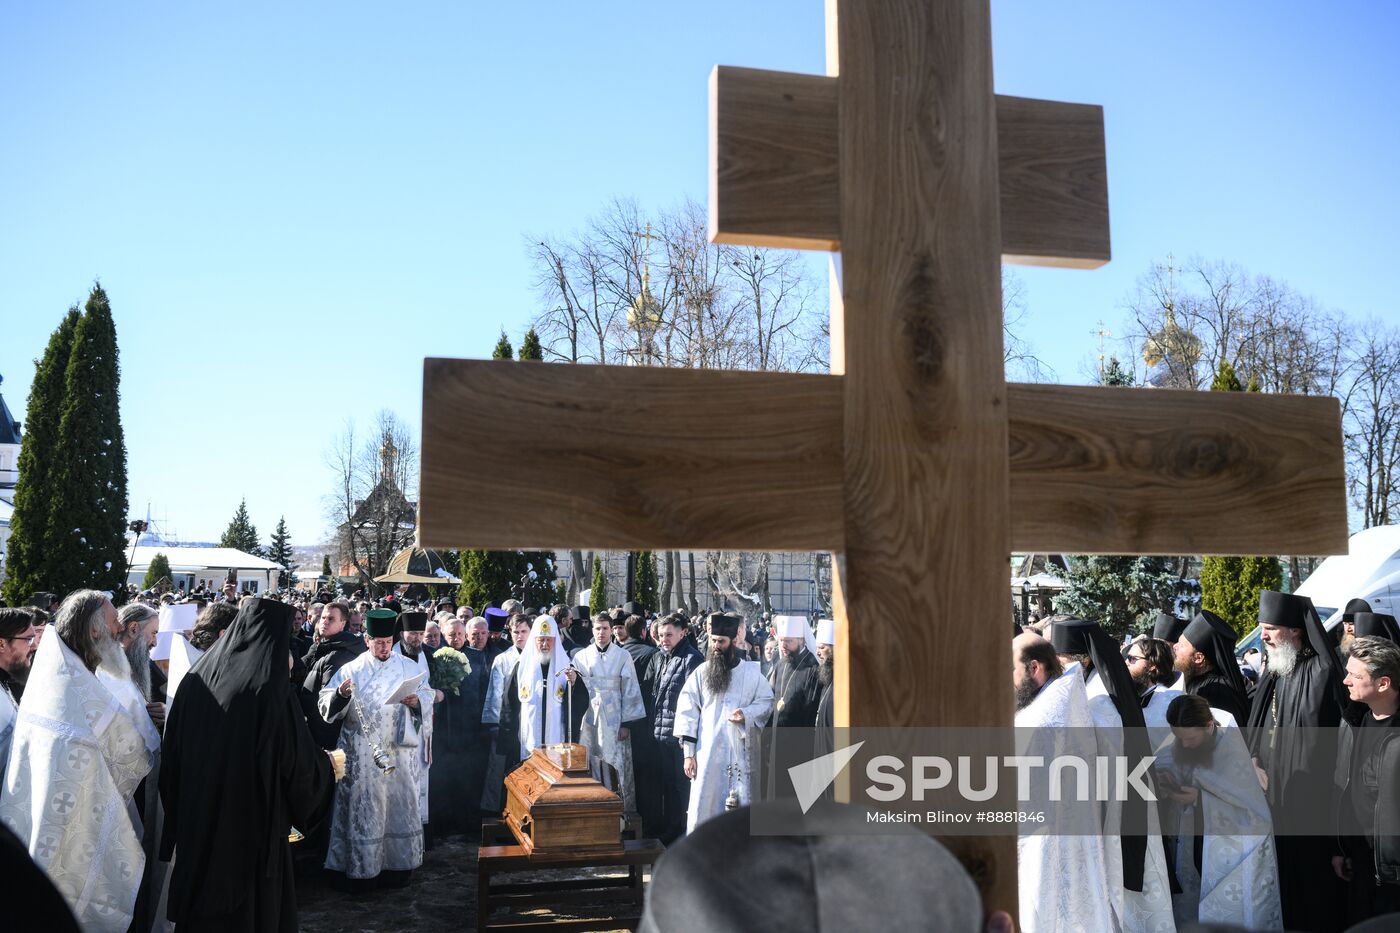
(440, 899)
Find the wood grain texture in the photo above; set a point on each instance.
(774, 170)
(633, 454)
(772, 159)
(925, 468)
(1157, 471)
(1092, 470)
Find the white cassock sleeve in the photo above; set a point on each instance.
(758, 710)
(632, 705)
(424, 693)
(688, 705)
(327, 695)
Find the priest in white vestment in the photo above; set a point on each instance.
(412, 626)
(1140, 888)
(1207, 771)
(76, 759)
(1062, 874)
(502, 666)
(723, 705)
(614, 699)
(375, 824)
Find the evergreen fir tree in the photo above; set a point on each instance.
(279, 551)
(240, 534)
(1115, 375)
(1230, 585)
(1123, 594)
(530, 348)
(489, 578)
(87, 516)
(28, 562)
(598, 597)
(503, 350)
(644, 579)
(1225, 379)
(332, 584)
(159, 569)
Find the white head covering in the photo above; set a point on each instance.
(795, 627)
(528, 677)
(826, 632)
(175, 619)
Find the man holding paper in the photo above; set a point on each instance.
(376, 835)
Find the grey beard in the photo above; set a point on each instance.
(720, 671)
(826, 672)
(1283, 659)
(138, 655)
(111, 658)
(1026, 693)
(410, 652)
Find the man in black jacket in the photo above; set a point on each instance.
(670, 667)
(645, 756)
(334, 645)
(1368, 770)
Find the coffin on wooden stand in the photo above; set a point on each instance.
(553, 805)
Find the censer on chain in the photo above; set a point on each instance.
(736, 771)
(382, 761)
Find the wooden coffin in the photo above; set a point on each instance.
(553, 805)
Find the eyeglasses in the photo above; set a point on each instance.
(1134, 657)
(28, 638)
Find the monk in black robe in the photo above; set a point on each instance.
(823, 743)
(796, 686)
(1298, 706)
(1205, 653)
(239, 769)
(1376, 625)
(797, 690)
(1168, 628)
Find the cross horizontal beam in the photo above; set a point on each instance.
(654, 458)
(774, 172)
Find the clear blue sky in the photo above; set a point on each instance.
(290, 204)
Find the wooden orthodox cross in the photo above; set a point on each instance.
(914, 459)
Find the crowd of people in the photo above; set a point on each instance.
(1277, 783)
(163, 770)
